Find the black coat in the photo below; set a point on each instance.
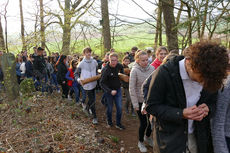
(61, 72)
(166, 101)
(29, 69)
(109, 77)
(39, 64)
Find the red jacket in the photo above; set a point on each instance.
(156, 63)
(71, 75)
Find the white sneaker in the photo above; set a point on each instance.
(90, 112)
(95, 121)
(149, 141)
(78, 103)
(142, 147)
(83, 106)
(69, 98)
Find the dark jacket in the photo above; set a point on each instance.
(29, 69)
(61, 72)
(124, 84)
(1, 75)
(110, 79)
(39, 67)
(166, 101)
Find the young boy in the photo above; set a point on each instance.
(40, 71)
(87, 68)
(110, 83)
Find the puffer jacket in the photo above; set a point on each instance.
(138, 75)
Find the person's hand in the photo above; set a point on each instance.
(137, 108)
(193, 113)
(205, 108)
(113, 92)
(80, 82)
(143, 112)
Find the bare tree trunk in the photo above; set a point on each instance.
(179, 13)
(204, 19)
(105, 25)
(42, 24)
(35, 31)
(22, 27)
(189, 25)
(66, 29)
(6, 35)
(2, 43)
(171, 31)
(158, 36)
(8, 64)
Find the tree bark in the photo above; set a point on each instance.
(105, 25)
(8, 64)
(42, 24)
(204, 19)
(158, 36)
(22, 27)
(171, 31)
(2, 43)
(66, 29)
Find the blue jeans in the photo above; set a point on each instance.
(83, 94)
(54, 80)
(41, 84)
(76, 92)
(118, 102)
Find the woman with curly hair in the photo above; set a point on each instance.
(182, 96)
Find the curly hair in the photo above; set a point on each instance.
(210, 60)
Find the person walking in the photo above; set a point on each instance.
(111, 85)
(140, 71)
(182, 96)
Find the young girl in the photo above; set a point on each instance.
(61, 72)
(161, 53)
(140, 71)
(125, 85)
(72, 83)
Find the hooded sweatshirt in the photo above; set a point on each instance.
(137, 77)
(87, 68)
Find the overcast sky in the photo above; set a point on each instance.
(126, 7)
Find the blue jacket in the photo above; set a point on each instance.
(18, 71)
(75, 83)
(29, 69)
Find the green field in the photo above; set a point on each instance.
(128, 37)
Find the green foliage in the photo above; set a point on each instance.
(114, 139)
(27, 86)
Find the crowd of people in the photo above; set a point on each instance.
(183, 99)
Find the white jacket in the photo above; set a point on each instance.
(88, 69)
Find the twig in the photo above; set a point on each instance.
(11, 148)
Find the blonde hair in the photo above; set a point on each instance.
(113, 55)
(168, 57)
(140, 53)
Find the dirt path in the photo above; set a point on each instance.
(128, 138)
